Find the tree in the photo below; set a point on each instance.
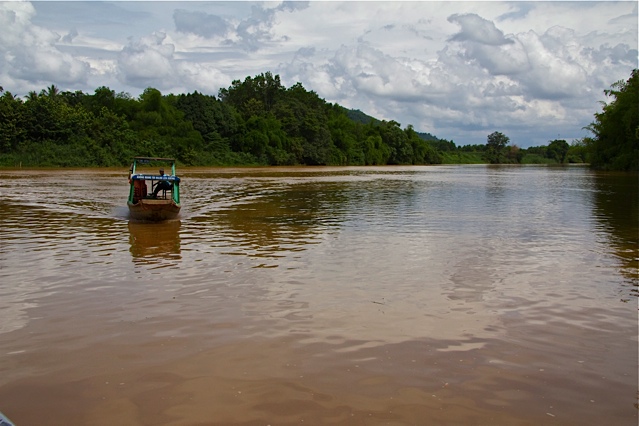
(616, 129)
(11, 130)
(52, 91)
(495, 147)
(514, 154)
(253, 96)
(255, 121)
(423, 152)
(578, 152)
(557, 150)
(401, 151)
(214, 120)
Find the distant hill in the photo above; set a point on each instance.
(361, 117)
(427, 136)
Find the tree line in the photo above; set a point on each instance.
(257, 121)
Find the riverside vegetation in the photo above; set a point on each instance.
(258, 121)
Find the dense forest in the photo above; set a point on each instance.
(615, 145)
(258, 121)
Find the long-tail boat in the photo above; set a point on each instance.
(153, 196)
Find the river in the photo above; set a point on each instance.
(488, 295)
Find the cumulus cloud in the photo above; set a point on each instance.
(487, 46)
(152, 61)
(480, 79)
(374, 73)
(148, 61)
(68, 38)
(256, 31)
(30, 55)
(474, 28)
(620, 54)
(454, 69)
(200, 23)
(547, 66)
(555, 71)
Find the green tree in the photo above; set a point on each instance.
(423, 152)
(401, 150)
(214, 120)
(375, 152)
(557, 150)
(253, 96)
(162, 130)
(52, 91)
(343, 136)
(304, 118)
(578, 151)
(514, 154)
(255, 121)
(103, 97)
(495, 147)
(111, 139)
(615, 145)
(11, 128)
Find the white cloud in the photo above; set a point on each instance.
(474, 28)
(29, 54)
(205, 78)
(454, 69)
(152, 61)
(148, 61)
(200, 23)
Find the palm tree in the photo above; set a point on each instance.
(51, 92)
(32, 96)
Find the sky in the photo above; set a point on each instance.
(534, 71)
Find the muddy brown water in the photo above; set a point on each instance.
(448, 295)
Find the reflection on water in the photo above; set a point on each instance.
(617, 210)
(153, 242)
(261, 217)
(401, 295)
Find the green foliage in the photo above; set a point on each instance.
(253, 122)
(616, 129)
(462, 157)
(536, 159)
(557, 150)
(401, 151)
(472, 148)
(439, 144)
(359, 117)
(578, 151)
(11, 128)
(495, 147)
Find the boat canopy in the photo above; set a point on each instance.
(148, 161)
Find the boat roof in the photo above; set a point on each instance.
(144, 159)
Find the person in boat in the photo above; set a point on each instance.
(162, 185)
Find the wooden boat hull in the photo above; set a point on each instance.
(154, 210)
